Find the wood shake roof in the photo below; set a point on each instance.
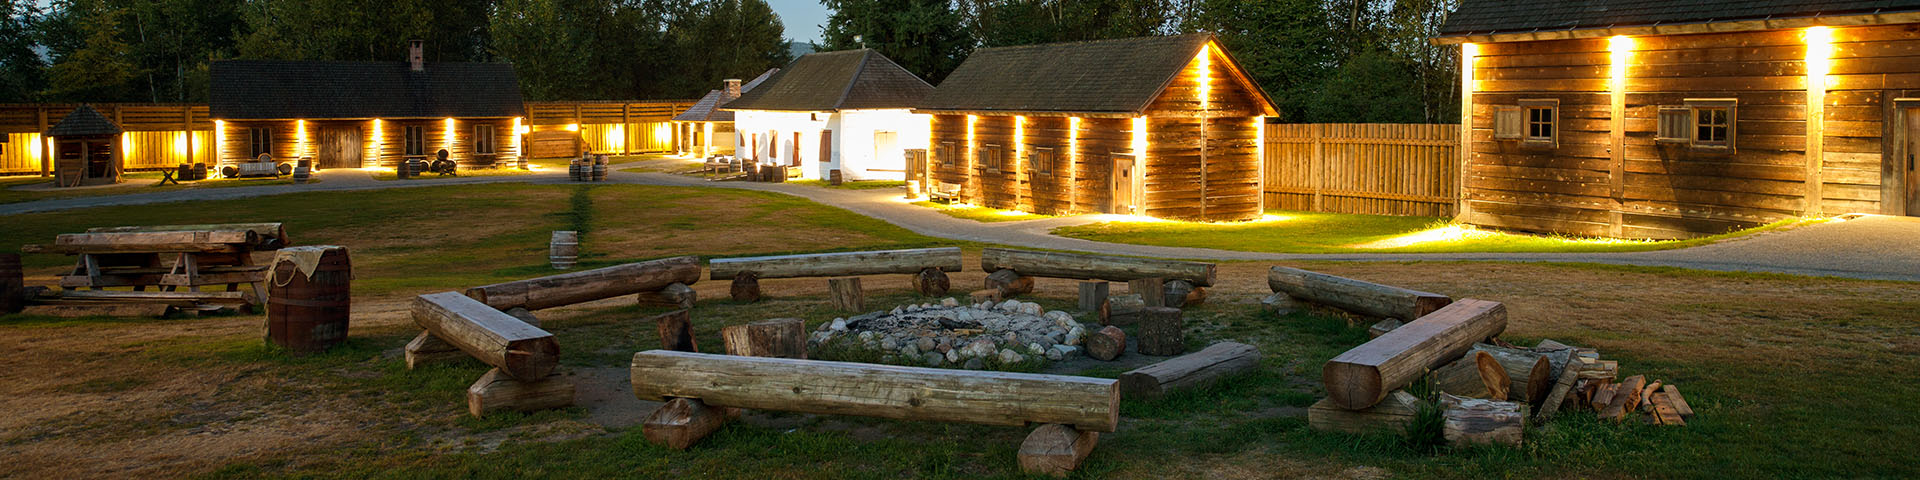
(706, 110)
(83, 121)
(833, 81)
(285, 89)
(1488, 17)
(1114, 77)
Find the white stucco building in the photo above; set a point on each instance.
(847, 111)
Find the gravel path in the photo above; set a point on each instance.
(1866, 247)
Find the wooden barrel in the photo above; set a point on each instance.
(309, 313)
(400, 169)
(600, 172)
(12, 284)
(200, 171)
(564, 251)
(300, 174)
(416, 167)
(573, 170)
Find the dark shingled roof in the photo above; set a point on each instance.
(1477, 17)
(1102, 76)
(84, 121)
(284, 89)
(704, 110)
(832, 81)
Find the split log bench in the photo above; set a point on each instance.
(1363, 376)
(139, 256)
(1365, 298)
(1010, 272)
(929, 267)
(1190, 370)
(700, 388)
(524, 356)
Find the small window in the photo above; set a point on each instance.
(1704, 124)
(483, 139)
(259, 141)
(946, 154)
(416, 140)
(1674, 123)
(988, 156)
(1507, 122)
(1042, 160)
(1542, 127)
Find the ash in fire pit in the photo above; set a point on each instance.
(955, 335)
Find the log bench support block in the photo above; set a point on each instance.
(1093, 294)
(674, 295)
(1162, 332)
(1478, 421)
(496, 391)
(1391, 415)
(682, 422)
(1056, 450)
(1152, 290)
(676, 330)
(780, 337)
(847, 295)
(1009, 283)
(746, 287)
(932, 282)
(1123, 310)
(1190, 370)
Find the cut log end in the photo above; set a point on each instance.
(1009, 283)
(847, 295)
(1107, 343)
(746, 287)
(1056, 450)
(1352, 387)
(532, 358)
(932, 282)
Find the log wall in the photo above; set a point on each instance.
(382, 143)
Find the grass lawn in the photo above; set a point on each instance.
(1792, 377)
(131, 183)
(978, 213)
(1309, 232)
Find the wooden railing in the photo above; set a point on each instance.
(1382, 169)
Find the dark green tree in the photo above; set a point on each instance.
(996, 23)
(924, 36)
(721, 39)
(1286, 45)
(22, 71)
(93, 63)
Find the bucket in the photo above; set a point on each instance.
(564, 251)
(310, 313)
(12, 284)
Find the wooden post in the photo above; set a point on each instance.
(1093, 294)
(675, 295)
(1318, 171)
(780, 337)
(497, 391)
(676, 331)
(1107, 343)
(1362, 376)
(626, 128)
(1190, 370)
(846, 294)
(932, 282)
(746, 287)
(1464, 144)
(46, 154)
(1162, 332)
(682, 422)
(1152, 290)
(1055, 450)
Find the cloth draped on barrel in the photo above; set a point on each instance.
(310, 297)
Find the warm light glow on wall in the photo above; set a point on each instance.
(180, 144)
(299, 138)
(1621, 48)
(373, 146)
(663, 133)
(1206, 74)
(1819, 55)
(573, 127)
(1139, 138)
(1019, 140)
(1468, 53)
(447, 132)
(518, 130)
(706, 139)
(614, 137)
(219, 139)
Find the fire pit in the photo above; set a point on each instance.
(949, 334)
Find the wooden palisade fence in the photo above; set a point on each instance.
(1384, 169)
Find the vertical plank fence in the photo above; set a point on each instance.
(1380, 169)
(612, 126)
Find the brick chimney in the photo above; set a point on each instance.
(415, 56)
(733, 88)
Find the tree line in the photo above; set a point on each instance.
(1321, 60)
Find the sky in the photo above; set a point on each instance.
(801, 17)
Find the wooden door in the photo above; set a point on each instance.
(1121, 185)
(796, 148)
(1913, 163)
(826, 147)
(339, 148)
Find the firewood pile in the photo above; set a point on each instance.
(1449, 358)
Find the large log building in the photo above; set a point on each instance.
(354, 114)
(1166, 127)
(1674, 119)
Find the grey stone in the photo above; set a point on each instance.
(1280, 304)
(933, 359)
(975, 364)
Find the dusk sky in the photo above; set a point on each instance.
(801, 17)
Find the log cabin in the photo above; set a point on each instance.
(1167, 127)
(845, 113)
(696, 128)
(366, 114)
(1676, 119)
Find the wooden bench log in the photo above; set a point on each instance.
(885, 391)
(589, 285)
(1056, 450)
(1365, 298)
(495, 338)
(142, 248)
(496, 391)
(176, 299)
(1162, 332)
(842, 264)
(1364, 375)
(682, 422)
(1478, 421)
(1190, 370)
(1080, 266)
(269, 236)
(108, 241)
(674, 295)
(779, 337)
(151, 310)
(1391, 415)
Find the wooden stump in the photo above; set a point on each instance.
(932, 282)
(1055, 450)
(1162, 332)
(426, 349)
(496, 391)
(1182, 294)
(847, 295)
(780, 337)
(1122, 310)
(1093, 294)
(674, 295)
(1107, 343)
(1009, 283)
(988, 295)
(676, 331)
(1469, 421)
(1190, 370)
(746, 287)
(1153, 290)
(1390, 415)
(682, 422)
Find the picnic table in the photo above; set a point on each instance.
(168, 259)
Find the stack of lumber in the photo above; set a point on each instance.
(1594, 384)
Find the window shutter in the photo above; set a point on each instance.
(1508, 122)
(1674, 124)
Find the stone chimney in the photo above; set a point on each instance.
(415, 56)
(733, 88)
